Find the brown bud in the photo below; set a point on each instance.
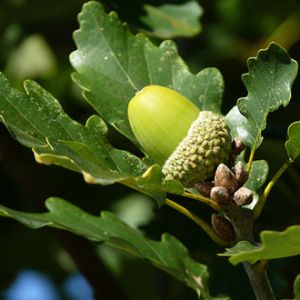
(240, 173)
(243, 196)
(224, 177)
(220, 194)
(204, 188)
(237, 145)
(222, 227)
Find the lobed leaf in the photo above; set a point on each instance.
(169, 254)
(112, 65)
(274, 244)
(268, 83)
(37, 120)
(170, 20)
(292, 145)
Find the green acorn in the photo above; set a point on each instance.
(187, 142)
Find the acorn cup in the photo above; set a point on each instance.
(188, 143)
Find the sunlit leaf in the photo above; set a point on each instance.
(37, 120)
(112, 65)
(268, 82)
(274, 244)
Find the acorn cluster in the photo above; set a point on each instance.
(191, 146)
(227, 186)
(227, 190)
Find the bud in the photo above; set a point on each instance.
(242, 196)
(224, 177)
(240, 173)
(237, 145)
(222, 227)
(220, 195)
(204, 188)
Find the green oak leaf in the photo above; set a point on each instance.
(235, 120)
(169, 254)
(112, 65)
(292, 145)
(37, 120)
(268, 83)
(274, 244)
(169, 20)
(297, 288)
(258, 175)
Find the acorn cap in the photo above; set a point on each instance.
(189, 143)
(206, 145)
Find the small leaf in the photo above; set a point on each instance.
(258, 175)
(112, 65)
(292, 145)
(297, 288)
(238, 249)
(268, 82)
(169, 254)
(274, 244)
(168, 21)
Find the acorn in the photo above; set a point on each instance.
(188, 143)
(220, 195)
(204, 188)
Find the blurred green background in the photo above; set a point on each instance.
(35, 42)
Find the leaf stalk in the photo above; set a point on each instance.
(263, 198)
(201, 223)
(202, 199)
(251, 157)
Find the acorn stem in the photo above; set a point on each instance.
(262, 200)
(251, 157)
(202, 199)
(204, 226)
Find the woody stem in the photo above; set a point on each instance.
(242, 221)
